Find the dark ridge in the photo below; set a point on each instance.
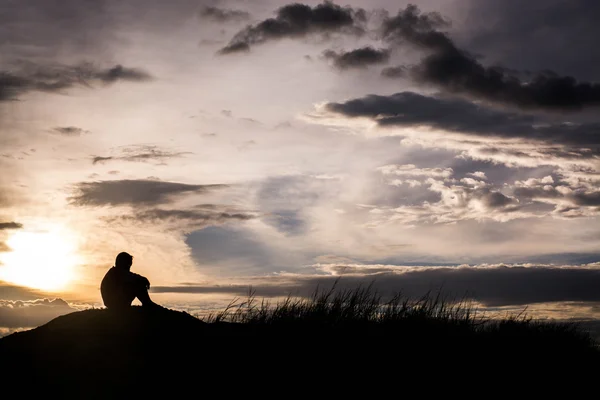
(348, 344)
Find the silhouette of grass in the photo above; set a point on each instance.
(431, 318)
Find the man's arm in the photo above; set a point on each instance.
(140, 278)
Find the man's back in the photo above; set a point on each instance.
(120, 286)
(116, 287)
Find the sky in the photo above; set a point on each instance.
(275, 147)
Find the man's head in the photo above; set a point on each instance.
(124, 260)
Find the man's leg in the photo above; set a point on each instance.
(142, 294)
(128, 295)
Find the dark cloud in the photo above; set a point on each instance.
(143, 153)
(28, 314)
(456, 71)
(394, 72)
(496, 199)
(492, 285)
(297, 21)
(358, 58)
(537, 193)
(7, 226)
(589, 199)
(223, 15)
(10, 225)
(561, 34)
(133, 192)
(100, 159)
(68, 130)
(58, 78)
(119, 72)
(456, 115)
(191, 219)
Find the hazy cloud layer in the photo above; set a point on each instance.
(32, 313)
(492, 285)
(56, 78)
(456, 71)
(9, 291)
(358, 58)
(297, 21)
(133, 192)
(140, 153)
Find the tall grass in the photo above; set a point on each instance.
(429, 316)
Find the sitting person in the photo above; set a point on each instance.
(120, 286)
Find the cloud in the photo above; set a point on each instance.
(412, 171)
(409, 109)
(10, 225)
(456, 71)
(70, 131)
(118, 72)
(458, 202)
(100, 159)
(571, 198)
(211, 214)
(285, 201)
(478, 132)
(141, 153)
(456, 199)
(187, 220)
(556, 33)
(39, 28)
(478, 174)
(297, 21)
(5, 226)
(57, 78)
(133, 192)
(562, 196)
(9, 291)
(32, 313)
(358, 58)
(222, 15)
(394, 72)
(492, 285)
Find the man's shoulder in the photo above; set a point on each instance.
(136, 275)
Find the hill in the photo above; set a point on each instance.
(103, 354)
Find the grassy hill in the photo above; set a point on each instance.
(337, 342)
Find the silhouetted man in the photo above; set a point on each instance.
(120, 286)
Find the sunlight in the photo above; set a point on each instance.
(39, 260)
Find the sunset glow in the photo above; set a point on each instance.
(39, 260)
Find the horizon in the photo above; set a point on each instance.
(278, 146)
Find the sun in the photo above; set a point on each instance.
(39, 260)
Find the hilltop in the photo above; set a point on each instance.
(102, 354)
